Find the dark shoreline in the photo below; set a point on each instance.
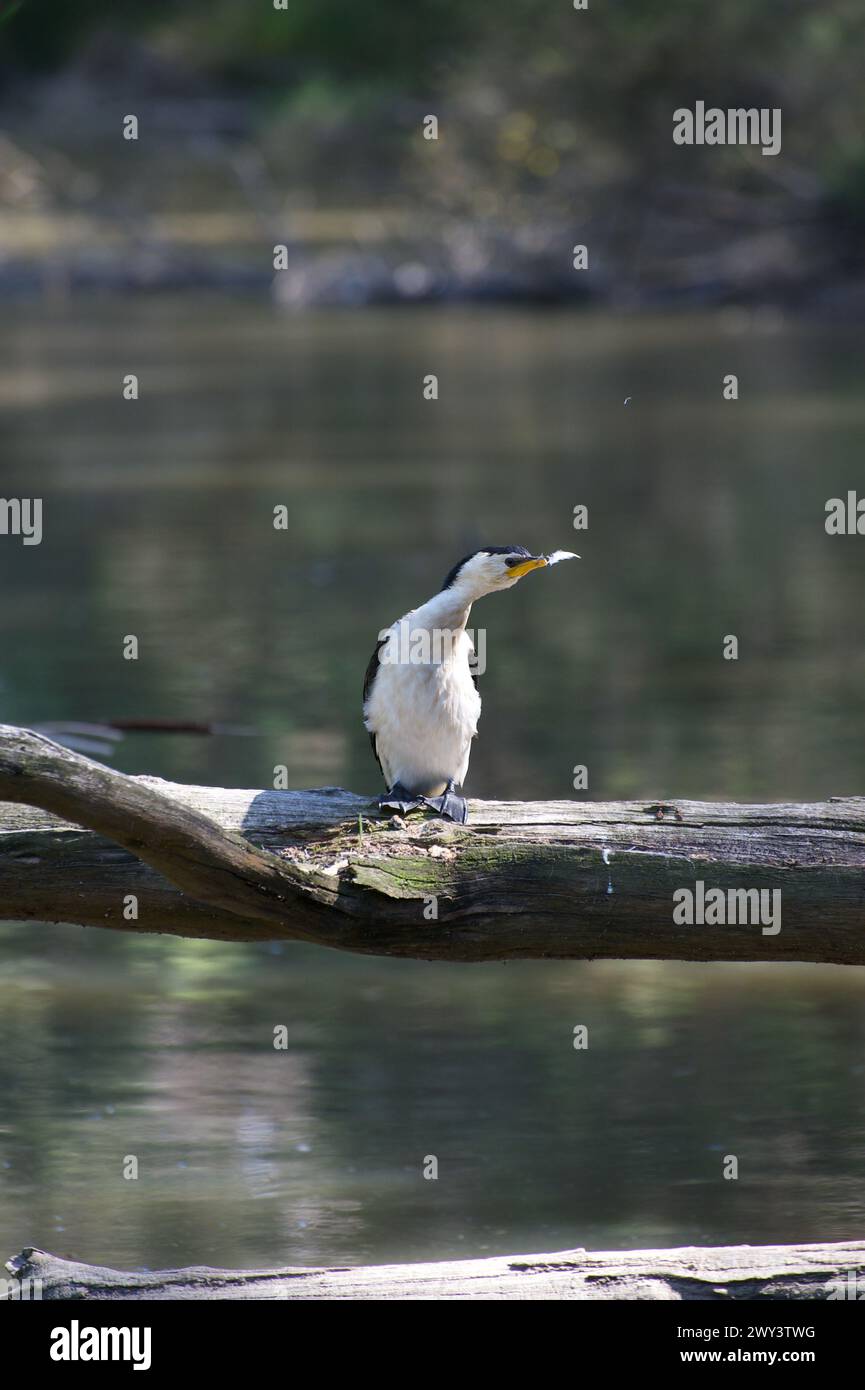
(358, 280)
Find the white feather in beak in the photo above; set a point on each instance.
(558, 555)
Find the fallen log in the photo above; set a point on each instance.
(82, 843)
(725, 1273)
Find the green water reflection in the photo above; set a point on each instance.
(705, 519)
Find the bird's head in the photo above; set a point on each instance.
(493, 568)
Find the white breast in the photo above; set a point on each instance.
(423, 707)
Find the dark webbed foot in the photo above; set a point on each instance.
(400, 800)
(450, 804)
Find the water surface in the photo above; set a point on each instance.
(706, 519)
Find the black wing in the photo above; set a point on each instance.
(473, 672)
(371, 673)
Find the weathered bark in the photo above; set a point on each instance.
(725, 1273)
(538, 879)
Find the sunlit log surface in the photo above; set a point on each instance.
(565, 879)
(725, 1273)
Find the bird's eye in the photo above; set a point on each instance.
(515, 560)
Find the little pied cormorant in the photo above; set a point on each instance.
(420, 698)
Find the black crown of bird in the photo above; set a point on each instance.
(420, 698)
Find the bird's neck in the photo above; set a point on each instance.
(448, 611)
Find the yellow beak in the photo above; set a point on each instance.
(517, 571)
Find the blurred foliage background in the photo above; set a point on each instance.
(555, 125)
